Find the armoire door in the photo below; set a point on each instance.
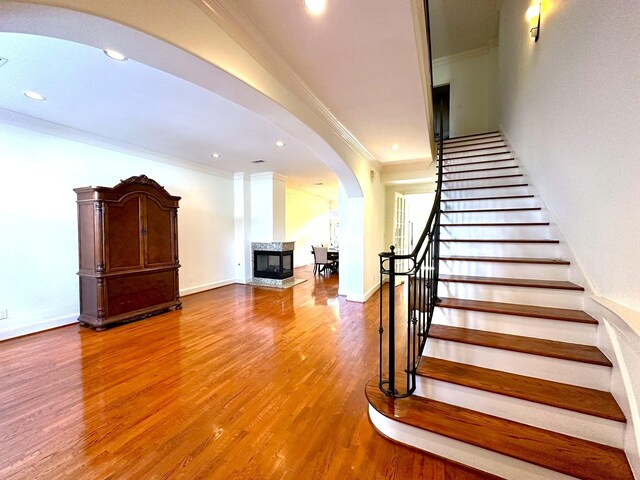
(123, 227)
(158, 234)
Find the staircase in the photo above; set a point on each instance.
(510, 381)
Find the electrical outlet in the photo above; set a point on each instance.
(3, 313)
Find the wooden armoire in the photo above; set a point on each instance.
(128, 242)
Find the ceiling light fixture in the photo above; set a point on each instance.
(280, 143)
(115, 55)
(315, 7)
(215, 155)
(34, 95)
(395, 146)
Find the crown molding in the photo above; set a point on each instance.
(243, 31)
(475, 52)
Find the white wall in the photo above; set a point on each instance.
(473, 79)
(570, 108)
(307, 223)
(38, 224)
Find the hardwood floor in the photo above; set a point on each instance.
(243, 383)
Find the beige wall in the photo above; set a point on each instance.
(307, 223)
(473, 79)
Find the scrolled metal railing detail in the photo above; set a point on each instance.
(419, 270)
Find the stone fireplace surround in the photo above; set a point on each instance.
(271, 247)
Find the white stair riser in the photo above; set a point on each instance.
(461, 452)
(455, 155)
(507, 270)
(475, 149)
(492, 217)
(458, 166)
(473, 143)
(488, 192)
(483, 203)
(546, 368)
(458, 159)
(461, 175)
(587, 427)
(472, 138)
(481, 182)
(561, 331)
(544, 297)
(544, 250)
(493, 232)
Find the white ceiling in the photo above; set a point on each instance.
(139, 107)
(359, 58)
(461, 25)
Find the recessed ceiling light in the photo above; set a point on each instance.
(33, 95)
(395, 146)
(115, 55)
(215, 155)
(280, 143)
(315, 7)
(257, 161)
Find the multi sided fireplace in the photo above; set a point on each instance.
(271, 264)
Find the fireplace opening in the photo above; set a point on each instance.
(268, 264)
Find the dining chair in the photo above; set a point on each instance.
(321, 260)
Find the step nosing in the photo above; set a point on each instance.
(526, 260)
(512, 282)
(499, 240)
(521, 310)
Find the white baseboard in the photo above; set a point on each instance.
(363, 298)
(207, 286)
(21, 330)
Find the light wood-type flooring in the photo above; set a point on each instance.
(243, 383)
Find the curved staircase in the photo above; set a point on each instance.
(511, 381)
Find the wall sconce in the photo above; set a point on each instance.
(533, 15)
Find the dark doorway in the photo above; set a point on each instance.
(441, 104)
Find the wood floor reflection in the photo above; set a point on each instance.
(243, 383)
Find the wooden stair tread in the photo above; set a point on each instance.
(499, 224)
(512, 282)
(499, 240)
(562, 453)
(473, 163)
(484, 187)
(515, 343)
(469, 179)
(537, 261)
(503, 197)
(481, 170)
(480, 210)
(551, 313)
(569, 397)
